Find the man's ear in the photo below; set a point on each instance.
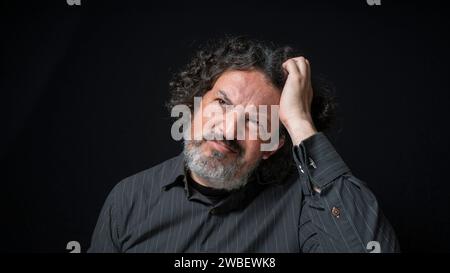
(267, 154)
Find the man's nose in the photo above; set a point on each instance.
(234, 126)
(225, 126)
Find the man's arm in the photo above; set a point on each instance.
(105, 235)
(339, 213)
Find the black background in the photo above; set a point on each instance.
(83, 89)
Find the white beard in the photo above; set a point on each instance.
(219, 175)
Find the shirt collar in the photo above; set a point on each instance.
(237, 199)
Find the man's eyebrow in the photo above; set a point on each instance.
(224, 96)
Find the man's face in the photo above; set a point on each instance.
(227, 164)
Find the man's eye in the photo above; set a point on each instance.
(221, 101)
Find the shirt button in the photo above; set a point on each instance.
(213, 211)
(301, 169)
(312, 163)
(336, 212)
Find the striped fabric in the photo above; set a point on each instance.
(155, 211)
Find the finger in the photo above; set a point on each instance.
(291, 67)
(308, 65)
(303, 66)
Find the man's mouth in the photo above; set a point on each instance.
(222, 146)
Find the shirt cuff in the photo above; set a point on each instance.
(318, 161)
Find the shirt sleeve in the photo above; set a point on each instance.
(345, 215)
(105, 235)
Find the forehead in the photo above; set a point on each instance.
(247, 87)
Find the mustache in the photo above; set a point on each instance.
(232, 143)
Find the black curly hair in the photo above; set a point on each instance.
(244, 53)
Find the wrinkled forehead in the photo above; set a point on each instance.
(246, 88)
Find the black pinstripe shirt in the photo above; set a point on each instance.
(156, 211)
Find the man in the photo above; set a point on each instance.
(229, 195)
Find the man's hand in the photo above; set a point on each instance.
(296, 98)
